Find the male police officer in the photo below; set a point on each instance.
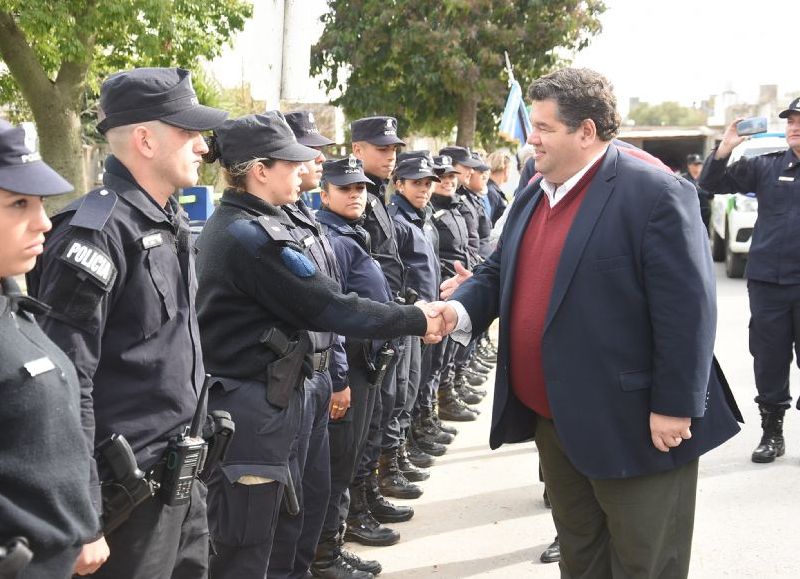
(773, 267)
(694, 165)
(118, 271)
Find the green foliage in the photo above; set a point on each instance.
(667, 114)
(418, 60)
(119, 34)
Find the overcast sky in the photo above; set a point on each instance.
(685, 50)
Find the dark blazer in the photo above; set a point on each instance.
(630, 327)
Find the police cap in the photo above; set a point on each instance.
(460, 155)
(154, 94)
(443, 165)
(794, 107)
(305, 129)
(376, 130)
(694, 159)
(344, 172)
(419, 154)
(264, 136)
(418, 168)
(482, 167)
(22, 170)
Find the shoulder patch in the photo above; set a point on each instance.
(297, 263)
(95, 209)
(274, 228)
(90, 259)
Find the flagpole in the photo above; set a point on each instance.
(509, 69)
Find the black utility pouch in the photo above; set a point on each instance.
(285, 374)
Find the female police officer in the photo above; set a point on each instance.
(258, 295)
(44, 463)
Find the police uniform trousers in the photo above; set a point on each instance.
(464, 355)
(378, 421)
(404, 407)
(631, 528)
(160, 542)
(348, 438)
(296, 536)
(393, 408)
(774, 332)
(245, 492)
(433, 364)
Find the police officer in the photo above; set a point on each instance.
(694, 165)
(344, 198)
(418, 242)
(45, 505)
(375, 143)
(259, 293)
(118, 271)
(773, 267)
(296, 536)
(453, 248)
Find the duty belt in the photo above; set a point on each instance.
(322, 360)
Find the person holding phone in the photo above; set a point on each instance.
(773, 267)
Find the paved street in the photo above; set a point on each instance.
(482, 512)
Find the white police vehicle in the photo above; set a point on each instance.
(734, 215)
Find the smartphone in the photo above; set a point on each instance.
(751, 126)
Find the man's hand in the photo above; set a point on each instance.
(92, 557)
(729, 140)
(451, 285)
(340, 402)
(669, 431)
(444, 312)
(436, 326)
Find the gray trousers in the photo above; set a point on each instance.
(632, 528)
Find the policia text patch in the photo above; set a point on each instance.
(90, 259)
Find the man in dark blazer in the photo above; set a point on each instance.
(604, 287)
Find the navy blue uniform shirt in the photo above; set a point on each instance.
(453, 234)
(418, 242)
(118, 271)
(382, 234)
(254, 276)
(775, 179)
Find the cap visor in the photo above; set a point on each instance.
(446, 170)
(294, 152)
(344, 180)
(197, 118)
(34, 178)
(419, 175)
(385, 140)
(315, 141)
(785, 113)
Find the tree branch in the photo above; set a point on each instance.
(22, 61)
(72, 74)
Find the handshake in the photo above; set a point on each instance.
(442, 317)
(442, 320)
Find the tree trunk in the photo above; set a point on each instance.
(59, 131)
(467, 120)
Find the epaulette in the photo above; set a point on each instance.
(95, 209)
(439, 214)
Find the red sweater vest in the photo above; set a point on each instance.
(537, 262)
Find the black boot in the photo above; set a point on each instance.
(330, 564)
(423, 428)
(381, 509)
(416, 455)
(428, 445)
(772, 444)
(451, 408)
(476, 366)
(391, 480)
(362, 526)
(473, 378)
(468, 396)
(461, 384)
(442, 426)
(369, 566)
(408, 468)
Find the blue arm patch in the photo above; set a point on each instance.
(297, 263)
